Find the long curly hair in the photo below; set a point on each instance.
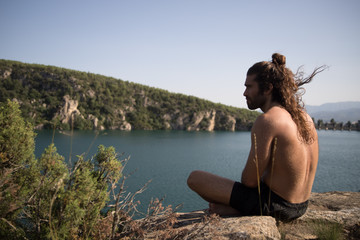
(287, 90)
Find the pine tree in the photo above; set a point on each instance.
(17, 167)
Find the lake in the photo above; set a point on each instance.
(167, 157)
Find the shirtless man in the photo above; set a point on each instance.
(286, 169)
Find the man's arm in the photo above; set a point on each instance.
(262, 135)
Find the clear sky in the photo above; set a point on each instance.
(195, 47)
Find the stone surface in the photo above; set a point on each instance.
(342, 208)
(325, 211)
(68, 110)
(237, 228)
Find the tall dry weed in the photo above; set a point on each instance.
(256, 160)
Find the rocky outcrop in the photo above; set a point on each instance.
(327, 213)
(95, 121)
(195, 121)
(332, 209)
(6, 73)
(202, 121)
(211, 120)
(119, 122)
(213, 227)
(68, 110)
(179, 121)
(167, 120)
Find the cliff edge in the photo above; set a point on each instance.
(334, 214)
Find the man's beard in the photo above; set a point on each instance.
(256, 102)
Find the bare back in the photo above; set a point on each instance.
(295, 162)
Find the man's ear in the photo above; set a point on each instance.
(269, 89)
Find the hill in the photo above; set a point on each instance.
(56, 97)
(340, 111)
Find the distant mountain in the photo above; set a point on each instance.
(340, 111)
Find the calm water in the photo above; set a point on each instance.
(167, 157)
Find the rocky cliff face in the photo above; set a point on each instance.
(326, 211)
(198, 121)
(69, 110)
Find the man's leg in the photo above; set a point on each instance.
(214, 189)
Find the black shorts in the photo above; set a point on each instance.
(247, 201)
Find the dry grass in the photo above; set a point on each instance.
(256, 160)
(196, 229)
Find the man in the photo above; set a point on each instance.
(280, 170)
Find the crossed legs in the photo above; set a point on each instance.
(214, 189)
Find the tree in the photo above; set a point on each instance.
(17, 166)
(320, 122)
(51, 176)
(16, 137)
(49, 198)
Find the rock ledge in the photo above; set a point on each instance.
(326, 210)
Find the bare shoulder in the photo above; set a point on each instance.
(273, 118)
(307, 116)
(310, 122)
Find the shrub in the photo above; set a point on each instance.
(49, 198)
(17, 166)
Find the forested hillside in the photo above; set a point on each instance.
(56, 97)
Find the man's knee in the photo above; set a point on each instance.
(193, 179)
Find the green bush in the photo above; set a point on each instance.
(49, 198)
(17, 166)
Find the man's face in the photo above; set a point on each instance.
(254, 99)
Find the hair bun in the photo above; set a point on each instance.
(279, 59)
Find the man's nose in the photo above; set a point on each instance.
(245, 93)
